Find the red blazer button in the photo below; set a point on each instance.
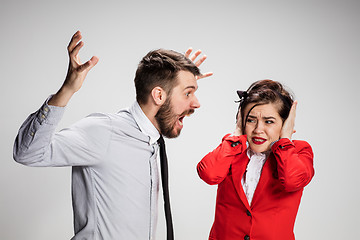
(248, 213)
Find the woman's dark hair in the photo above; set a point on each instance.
(265, 92)
(160, 68)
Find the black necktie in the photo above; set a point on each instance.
(165, 185)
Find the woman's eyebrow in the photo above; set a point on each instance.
(269, 118)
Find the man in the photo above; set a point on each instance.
(115, 178)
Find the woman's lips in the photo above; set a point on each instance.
(258, 140)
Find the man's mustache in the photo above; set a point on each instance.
(188, 112)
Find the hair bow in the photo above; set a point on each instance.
(242, 95)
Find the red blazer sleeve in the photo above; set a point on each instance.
(294, 163)
(215, 166)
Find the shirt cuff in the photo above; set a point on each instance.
(50, 114)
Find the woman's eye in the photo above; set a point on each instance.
(250, 120)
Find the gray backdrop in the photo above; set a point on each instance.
(310, 46)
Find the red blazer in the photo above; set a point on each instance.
(288, 169)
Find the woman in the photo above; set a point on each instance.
(259, 170)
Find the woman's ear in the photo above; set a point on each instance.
(158, 95)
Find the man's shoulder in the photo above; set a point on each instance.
(122, 124)
(122, 118)
(122, 115)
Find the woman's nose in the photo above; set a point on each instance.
(259, 127)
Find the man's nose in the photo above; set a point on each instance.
(195, 103)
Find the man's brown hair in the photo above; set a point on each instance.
(160, 68)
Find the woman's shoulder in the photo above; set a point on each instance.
(301, 143)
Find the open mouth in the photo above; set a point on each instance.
(182, 116)
(181, 119)
(258, 140)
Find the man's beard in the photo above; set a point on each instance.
(167, 119)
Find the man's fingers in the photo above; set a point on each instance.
(73, 42)
(200, 61)
(195, 55)
(188, 52)
(76, 50)
(208, 74)
(89, 64)
(94, 60)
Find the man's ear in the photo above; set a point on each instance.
(158, 95)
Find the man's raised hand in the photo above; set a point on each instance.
(76, 72)
(198, 62)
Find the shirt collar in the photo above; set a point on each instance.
(144, 123)
(259, 156)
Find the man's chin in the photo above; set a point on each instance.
(173, 134)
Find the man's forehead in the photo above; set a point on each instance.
(186, 80)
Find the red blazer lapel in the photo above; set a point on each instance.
(238, 169)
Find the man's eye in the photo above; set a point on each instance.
(250, 120)
(187, 94)
(269, 122)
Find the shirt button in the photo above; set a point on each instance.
(234, 144)
(246, 237)
(248, 213)
(43, 116)
(32, 133)
(46, 109)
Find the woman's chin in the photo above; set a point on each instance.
(259, 149)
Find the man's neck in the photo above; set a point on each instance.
(150, 111)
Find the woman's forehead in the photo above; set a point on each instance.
(264, 110)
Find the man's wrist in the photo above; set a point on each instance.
(61, 98)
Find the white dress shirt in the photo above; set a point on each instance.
(252, 175)
(115, 177)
